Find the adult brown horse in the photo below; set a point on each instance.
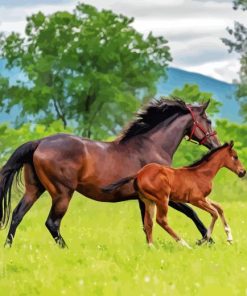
(157, 184)
(62, 164)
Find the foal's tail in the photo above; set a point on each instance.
(117, 184)
(22, 155)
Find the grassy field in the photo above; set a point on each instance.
(108, 255)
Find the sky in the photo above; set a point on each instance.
(192, 27)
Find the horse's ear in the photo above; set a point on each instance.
(205, 105)
(231, 144)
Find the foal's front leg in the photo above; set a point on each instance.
(206, 206)
(227, 228)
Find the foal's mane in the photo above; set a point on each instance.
(162, 110)
(207, 156)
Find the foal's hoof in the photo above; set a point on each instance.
(211, 241)
(184, 243)
(230, 241)
(151, 246)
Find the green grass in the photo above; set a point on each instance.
(108, 255)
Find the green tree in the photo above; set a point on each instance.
(88, 68)
(228, 131)
(239, 45)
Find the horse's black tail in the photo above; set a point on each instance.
(117, 184)
(22, 155)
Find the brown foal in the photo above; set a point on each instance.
(157, 184)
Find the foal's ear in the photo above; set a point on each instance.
(231, 144)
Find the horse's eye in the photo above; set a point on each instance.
(209, 121)
(235, 157)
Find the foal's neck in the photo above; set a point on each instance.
(211, 167)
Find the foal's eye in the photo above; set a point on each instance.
(235, 157)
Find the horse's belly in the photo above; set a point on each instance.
(95, 193)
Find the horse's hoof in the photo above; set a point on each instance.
(61, 243)
(204, 240)
(230, 241)
(201, 241)
(8, 244)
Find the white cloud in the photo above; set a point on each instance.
(193, 27)
(227, 69)
(14, 19)
(220, 1)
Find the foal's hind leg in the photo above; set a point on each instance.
(60, 203)
(223, 219)
(33, 190)
(161, 218)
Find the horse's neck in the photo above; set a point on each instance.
(211, 167)
(167, 139)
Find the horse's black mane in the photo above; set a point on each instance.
(155, 112)
(207, 156)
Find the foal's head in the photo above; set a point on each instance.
(201, 127)
(232, 162)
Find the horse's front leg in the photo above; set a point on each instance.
(223, 219)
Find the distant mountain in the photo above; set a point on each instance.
(13, 74)
(222, 91)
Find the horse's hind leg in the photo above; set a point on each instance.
(142, 210)
(33, 190)
(60, 203)
(189, 212)
(223, 219)
(148, 218)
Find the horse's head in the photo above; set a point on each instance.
(200, 129)
(232, 162)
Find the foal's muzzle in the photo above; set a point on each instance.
(242, 173)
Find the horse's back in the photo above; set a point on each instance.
(62, 158)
